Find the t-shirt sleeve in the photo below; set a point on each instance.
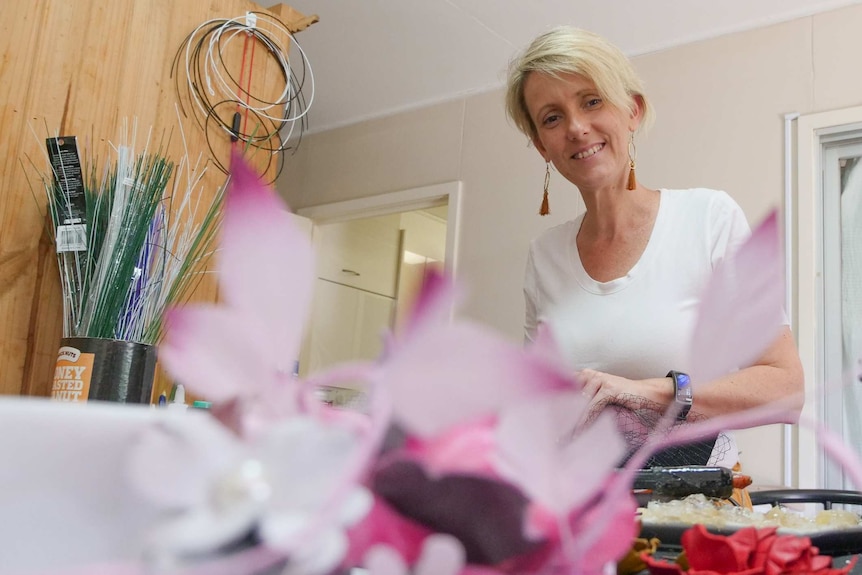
(730, 228)
(530, 319)
(732, 231)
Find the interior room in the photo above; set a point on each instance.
(722, 105)
(319, 361)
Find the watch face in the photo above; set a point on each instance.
(683, 387)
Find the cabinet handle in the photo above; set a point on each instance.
(351, 272)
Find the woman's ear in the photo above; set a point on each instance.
(537, 143)
(637, 112)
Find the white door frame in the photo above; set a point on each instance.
(811, 129)
(400, 201)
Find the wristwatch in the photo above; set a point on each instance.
(681, 393)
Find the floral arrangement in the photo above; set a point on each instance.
(131, 240)
(463, 464)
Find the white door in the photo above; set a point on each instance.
(841, 317)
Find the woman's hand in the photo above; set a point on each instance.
(603, 389)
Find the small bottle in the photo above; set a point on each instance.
(178, 398)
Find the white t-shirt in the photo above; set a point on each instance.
(637, 326)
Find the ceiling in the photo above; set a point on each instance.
(372, 58)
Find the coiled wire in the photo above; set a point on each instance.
(223, 107)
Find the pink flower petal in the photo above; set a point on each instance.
(602, 532)
(741, 311)
(449, 374)
(838, 449)
(538, 453)
(265, 265)
(215, 352)
(434, 304)
(440, 373)
(466, 448)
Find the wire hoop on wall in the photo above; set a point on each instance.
(215, 85)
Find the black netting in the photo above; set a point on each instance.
(637, 424)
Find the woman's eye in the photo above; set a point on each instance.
(593, 102)
(550, 119)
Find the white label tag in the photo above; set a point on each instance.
(72, 238)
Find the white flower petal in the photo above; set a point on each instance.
(310, 553)
(357, 506)
(441, 555)
(320, 556)
(200, 531)
(307, 460)
(384, 560)
(172, 461)
(283, 530)
(245, 484)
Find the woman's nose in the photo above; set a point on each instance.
(577, 126)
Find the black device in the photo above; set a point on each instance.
(681, 392)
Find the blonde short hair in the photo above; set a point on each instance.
(569, 50)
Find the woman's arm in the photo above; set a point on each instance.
(777, 375)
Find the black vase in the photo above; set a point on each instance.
(91, 368)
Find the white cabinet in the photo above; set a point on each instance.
(354, 293)
(362, 253)
(362, 283)
(347, 324)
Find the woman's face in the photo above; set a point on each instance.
(586, 138)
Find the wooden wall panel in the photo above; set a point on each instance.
(82, 67)
(21, 222)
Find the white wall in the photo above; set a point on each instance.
(720, 107)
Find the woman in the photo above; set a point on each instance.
(632, 267)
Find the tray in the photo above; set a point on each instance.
(835, 542)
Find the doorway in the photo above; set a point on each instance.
(842, 294)
(829, 263)
(372, 257)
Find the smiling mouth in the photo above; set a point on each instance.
(587, 153)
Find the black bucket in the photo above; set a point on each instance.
(104, 370)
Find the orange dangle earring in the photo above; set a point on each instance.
(633, 154)
(545, 210)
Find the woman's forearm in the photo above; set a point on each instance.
(776, 377)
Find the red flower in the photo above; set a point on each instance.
(749, 551)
